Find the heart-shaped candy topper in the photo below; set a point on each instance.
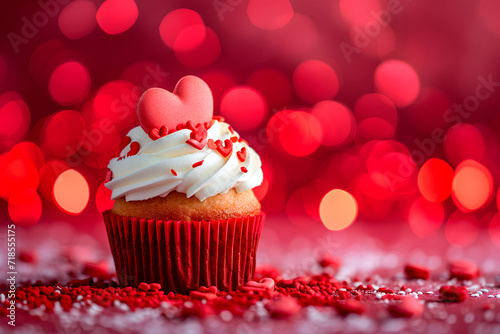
(191, 100)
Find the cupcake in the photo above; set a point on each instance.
(185, 215)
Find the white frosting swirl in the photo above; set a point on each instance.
(148, 173)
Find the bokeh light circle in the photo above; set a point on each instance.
(65, 133)
(203, 55)
(434, 180)
(472, 186)
(176, 21)
(425, 217)
(117, 16)
(398, 81)
(376, 106)
(78, 19)
(462, 229)
(243, 107)
(464, 141)
(359, 12)
(375, 128)
(25, 207)
(28, 150)
(296, 132)
(16, 117)
(338, 209)
(116, 102)
(314, 80)
(71, 192)
(269, 14)
(337, 121)
(69, 83)
(18, 174)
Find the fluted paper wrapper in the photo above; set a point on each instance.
(184, 255)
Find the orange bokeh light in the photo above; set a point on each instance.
(434, 180)
(472, 186)
(338, 209)
(71, 192)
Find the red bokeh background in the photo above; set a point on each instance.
(393, 102)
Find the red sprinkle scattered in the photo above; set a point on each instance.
(199, 163)
(463, 270)
(144, 286)
(230, 128)
(173, 172)
(453, 293)
(234, 139)
(244, 170)
(242, 154)
(283, 307)
(350, 306)
(109, 175)
(134, 149)
(408, 307)
(414, 271)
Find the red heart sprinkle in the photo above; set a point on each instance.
(408, 307)
(283, 307)
(202, 295)
(244, 169)
(144, 286)
(463, 270)
(173, 172)
(350, 306)
(224, 149)
(234, 139)
(242, 154)
(198, 137)
(212, 289)
(211, 144)
(134, 148)
(125, 141)
(414, 271)
(155, 134)
(453, 293)
(264, 284)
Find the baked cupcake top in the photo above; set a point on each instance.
(181, 147)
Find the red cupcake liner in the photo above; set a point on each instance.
(184, 255)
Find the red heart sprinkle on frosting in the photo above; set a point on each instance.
(155, 134)
(224, 149)
(198, 138)
(244, 170)
(173, 172)
(242, 154)
(234, 139)
(134, 149)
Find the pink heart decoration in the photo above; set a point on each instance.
(264, 284)
(191, 100)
